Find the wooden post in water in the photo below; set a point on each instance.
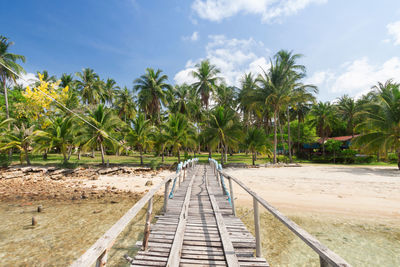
(257, 227)
(147, 225)
(232, 197)
(102, 259)
(166, 195)
(322, 262)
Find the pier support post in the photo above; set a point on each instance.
(232, 197)
(102, 259)
(166, 195)
(322, 262)
(147, 224)
(257, 227)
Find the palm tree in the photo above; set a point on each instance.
(381, 129)
(348, 110)
(223, 129)
(110, 88)
(274, 90)
(226, 96)
(178, 132)
(20, 137)
(180, 95)
(125, 104)
(246, 95)
(151, 88)
(140, 134)
(324, 120)
(67, 80)
(106, 123)
(206, 76)
(59, 134)
(45, 77)
(89, 85)
(255, 141)
(8, 65)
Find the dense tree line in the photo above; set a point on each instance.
(267, 113)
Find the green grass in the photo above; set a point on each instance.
(134, 160)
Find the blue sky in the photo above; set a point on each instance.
(347, 45)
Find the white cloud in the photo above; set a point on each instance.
(217, 10)
(194, 37)
(27, 79)
(233, 57)
(357, 77)
(394, 31)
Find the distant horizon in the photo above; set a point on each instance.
(347, 47)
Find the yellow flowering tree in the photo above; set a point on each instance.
(40, 99)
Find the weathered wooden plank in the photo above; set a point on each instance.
(229, 251)
(175, 254)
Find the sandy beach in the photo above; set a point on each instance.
(360, 192)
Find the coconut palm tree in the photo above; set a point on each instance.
(324, 119)
(106, 123)
(125, 104)
(245, 96)
(19, 137)
(178, 133)
(381, 129)
(140, 134)
(152, 88)
(110, 89)
(206, 76)
(255, 140)
(223, 129)
(8, 65)
(90, 86)
(45, 77)
(274, 90)
(180, 94)
(59, 134)
(226, 96)
(348, 109)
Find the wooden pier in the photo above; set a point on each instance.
(199, 226)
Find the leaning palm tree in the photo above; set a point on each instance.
(152, 87)
(255, 141)
(381, 129)
(223, 129)
(124, 104)
(324, 119)
(206, 76)
(106, 123)
(8, 65)
(59, 134)
(89, 85)
(139, 135)
(20, 138)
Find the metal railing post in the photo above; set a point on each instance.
(232, 197)
(166, 195)
(257, 227)
(147, 224)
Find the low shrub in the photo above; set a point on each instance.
(154, 164)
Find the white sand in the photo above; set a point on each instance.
(128, 182)
(367, 192)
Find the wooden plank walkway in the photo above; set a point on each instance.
(199, 229)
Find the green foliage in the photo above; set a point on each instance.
(154, 164)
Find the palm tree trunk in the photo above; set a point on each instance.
(222, 158)
(7, 113)
(102, 153)
(209, 152)
(275, 137)
(289, 144)
(79, 153)
(323, 146)
(226, 154)
(162, 154)
(398, 159)
(298, 134)
(93, 152)
(141, 155)
(45, 154)
(254, 162)
(179, 156)
(27, 156)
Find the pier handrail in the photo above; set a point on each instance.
(99, 250)
(327, 257)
